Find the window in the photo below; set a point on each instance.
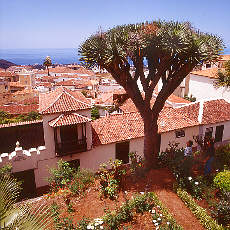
(208, 65)
(180, 133)
(122, 151)
(219, 133)
(208, 132)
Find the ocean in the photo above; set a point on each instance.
(37, 56)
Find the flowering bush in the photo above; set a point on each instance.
(96, 224)
(60, 176)
(222, 181)
(137, 164)
(110, 179)
(141, 203)
(64, 176)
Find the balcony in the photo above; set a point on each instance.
(71, 147)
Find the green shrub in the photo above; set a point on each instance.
(139, 204)
(6, 169)
(142, 203)
(136, 165)
(83, 223)
(199, 212)
(222, 156)
(81, 180)
(60, 176)
(110, 178)
(61, 223)
(64, 176)
(222, 181)
(223, 212)
(95, 113)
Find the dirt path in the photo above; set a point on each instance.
(161, 182)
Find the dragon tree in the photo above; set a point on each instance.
(170, 50)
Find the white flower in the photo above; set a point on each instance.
(96, 224)
(156, 224)
(168, 223)
(196, 183)
(158, 206)
(153, 211)
(154, 221)
(160, 214)
(126, 192)
(90, 226)
(190, 178)
(101, 227)
(142, 193)
(159, 219)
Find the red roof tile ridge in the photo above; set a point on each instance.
(52, 102)
(75, 98)
(187, 105)
(79, 115)
(55, 120)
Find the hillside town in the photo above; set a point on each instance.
(66, 127)
(123, 127)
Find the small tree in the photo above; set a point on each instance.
(47, 63)
(223, 76)
(170, 49)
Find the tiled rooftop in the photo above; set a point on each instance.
(20, 123)
(62, 100)
(68, 119)
(19, 109)
(211, 73)
(130, 125)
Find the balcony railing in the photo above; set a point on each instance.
(70, 147)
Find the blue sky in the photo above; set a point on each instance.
(67, 23)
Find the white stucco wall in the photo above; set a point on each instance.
(202, 88)
(226, 132)
(171, 137)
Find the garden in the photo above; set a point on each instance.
(206, 194)
(176, 195)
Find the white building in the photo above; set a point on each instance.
(70, 135)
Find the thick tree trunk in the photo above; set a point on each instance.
(151, 142)
(48, 70)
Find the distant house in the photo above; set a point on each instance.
(201, 85)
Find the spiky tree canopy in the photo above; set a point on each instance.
(171, 50)
(168, 47)
(47, 62)
(21, 216)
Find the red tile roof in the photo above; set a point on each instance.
(225, 57)
(76, 83)
(130, 125)
(6, 74)
(211, 73)
(28, 101)
(20, 123)
(216, 111)
(19, 109)
(62, 100)
(68, 119)
(16, 84)
(128, 105)
(127, 126)
(178, 100)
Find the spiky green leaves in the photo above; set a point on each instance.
(154, 38)
(21, 216)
